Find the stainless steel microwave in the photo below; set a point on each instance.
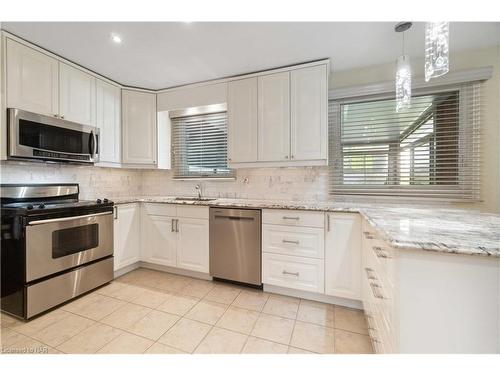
(34, 136)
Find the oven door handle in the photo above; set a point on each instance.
(46, 221)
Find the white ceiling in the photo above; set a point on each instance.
(166, 54)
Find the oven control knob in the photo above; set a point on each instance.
(29, 206)
(105, 200)
(98, 201)
(41, 205)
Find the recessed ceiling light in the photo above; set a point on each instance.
(116, 38)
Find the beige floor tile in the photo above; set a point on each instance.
(207, 312)
(178, 304)
(169, 282)
(313, 338)
(94, 306)
(158, 348)
(8, 337)
(185, 335)
(64, 329)
(126, 316)
(151, 298)
(126, 343)
(350, 320)
(223, 294)
(239, 320)
(273, 328)
(255, 345)
(7, 321)
(137, 277)
(286, 307)
(292, 350)
(197, 288)
(90, 340)
(352, 343)
(125, 292)
(154, 324)
(316, 312)
(27, 345)
(221, 341)
(251, 300)
(110, 288)
(37, 324)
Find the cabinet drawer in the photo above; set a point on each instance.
(160, 209)
(294, 217)
(194, 212)
(286, 240)
(293, 272)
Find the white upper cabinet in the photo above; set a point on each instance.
(343, 255)
(274, 117)
(108, 121)
(32, 80)
(139, 128)
(309, 123)
(77, 91)
(242, 120)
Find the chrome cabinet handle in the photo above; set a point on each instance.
(286, 156)
(172, 225)
(285, 272)
(116, 212)
(290, 241)
(379, 252)
(369, 274)
(376, 291)
(292, 156)
(291, 218)
(368, 235)
(328, 222)
(177, 225)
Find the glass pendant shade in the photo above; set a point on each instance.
(403, 83)
(437, 37)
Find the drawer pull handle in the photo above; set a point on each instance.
(291, 218)
(369, 274)
(285, 272)
(290, 241)
(379, 252)
(376, 291)
(369, 236)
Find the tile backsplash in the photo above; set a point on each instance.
(295, 183)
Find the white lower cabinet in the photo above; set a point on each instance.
(293, 272)
(159, 239)
(192, 244)
(127, 239)
(175, 236)
(343, 255)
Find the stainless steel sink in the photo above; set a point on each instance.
(194, 199)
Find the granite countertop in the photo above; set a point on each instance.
(402, 226)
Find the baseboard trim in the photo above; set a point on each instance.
(122, 271)
(353, 304)
(176, 271)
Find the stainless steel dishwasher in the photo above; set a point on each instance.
(235, 250)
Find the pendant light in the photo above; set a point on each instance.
(437, 39)
(403, 73)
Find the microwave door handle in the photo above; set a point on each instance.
(91, 143)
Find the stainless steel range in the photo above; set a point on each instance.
(54, 246)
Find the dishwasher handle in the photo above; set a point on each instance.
(231, 217)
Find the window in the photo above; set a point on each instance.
(199, 146)
(430, 150)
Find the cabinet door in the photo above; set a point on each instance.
(309, 122)
(274, 117)
(139, 127)
(32, 80)
(77, 91)
(242, 120)
(127, 235)
(159, 239)
(108, 122)
(343, 255)
(192, 244)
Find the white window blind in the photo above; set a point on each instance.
(199, 146)
(431, 150)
